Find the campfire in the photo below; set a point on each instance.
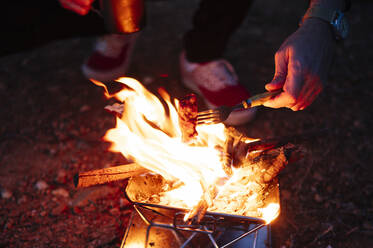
(178, 165)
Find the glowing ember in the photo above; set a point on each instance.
(270, 212)
(148, 133)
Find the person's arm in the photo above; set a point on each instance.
(303, 61)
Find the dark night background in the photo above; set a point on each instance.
(52, 121)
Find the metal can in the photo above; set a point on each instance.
(123, 16)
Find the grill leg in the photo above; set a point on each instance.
(258, 239)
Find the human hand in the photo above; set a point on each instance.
(81, 7)
(302, 65)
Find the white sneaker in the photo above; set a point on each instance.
(110, 58)
(218, 83)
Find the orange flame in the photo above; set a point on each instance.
(148, 133)
(270, 212)
(152, 138)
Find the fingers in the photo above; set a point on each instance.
(81, 7)
(310, 90)
(280, 72)
(282, 100)
(291, 85)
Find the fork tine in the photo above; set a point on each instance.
(208, 117)
(207, 114)
(205, 117)
(208, 121)
(209, 111)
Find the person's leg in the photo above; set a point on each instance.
(213, 24)
(202, 68)
(27, 24)
(112, 53)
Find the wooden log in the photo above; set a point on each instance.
(270, 143)
(268, 164)
(142, 187)
(239, 147)
(101, 176)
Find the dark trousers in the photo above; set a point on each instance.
(213, 24)
(29, 23)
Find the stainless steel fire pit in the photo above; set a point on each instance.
(156, 226)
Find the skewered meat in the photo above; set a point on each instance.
(188, 111)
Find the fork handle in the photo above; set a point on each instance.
(259, 99)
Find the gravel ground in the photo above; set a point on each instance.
(53, 119)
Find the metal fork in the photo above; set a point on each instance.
(214, 116)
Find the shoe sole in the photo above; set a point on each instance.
(104, 76)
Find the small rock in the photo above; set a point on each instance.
(123, 202)
(61, 177)
(115, 211)
(62, 239)
(59, 209)
(84, 108)
(52, 151)
(60, 192)
(147, 80)
(21, 200)
(41, 185)
(318, 198)
(6, 194)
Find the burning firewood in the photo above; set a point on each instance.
(271, 162)
(258, 171)
(143, 187)
(188, 111)
(101, 176)
(196, 214)
(268, 164)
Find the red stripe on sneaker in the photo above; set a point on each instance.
(229, 96)
(100, 62)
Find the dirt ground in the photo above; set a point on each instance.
(53, 119)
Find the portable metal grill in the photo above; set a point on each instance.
(152, 225)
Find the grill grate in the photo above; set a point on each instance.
(160, 226)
